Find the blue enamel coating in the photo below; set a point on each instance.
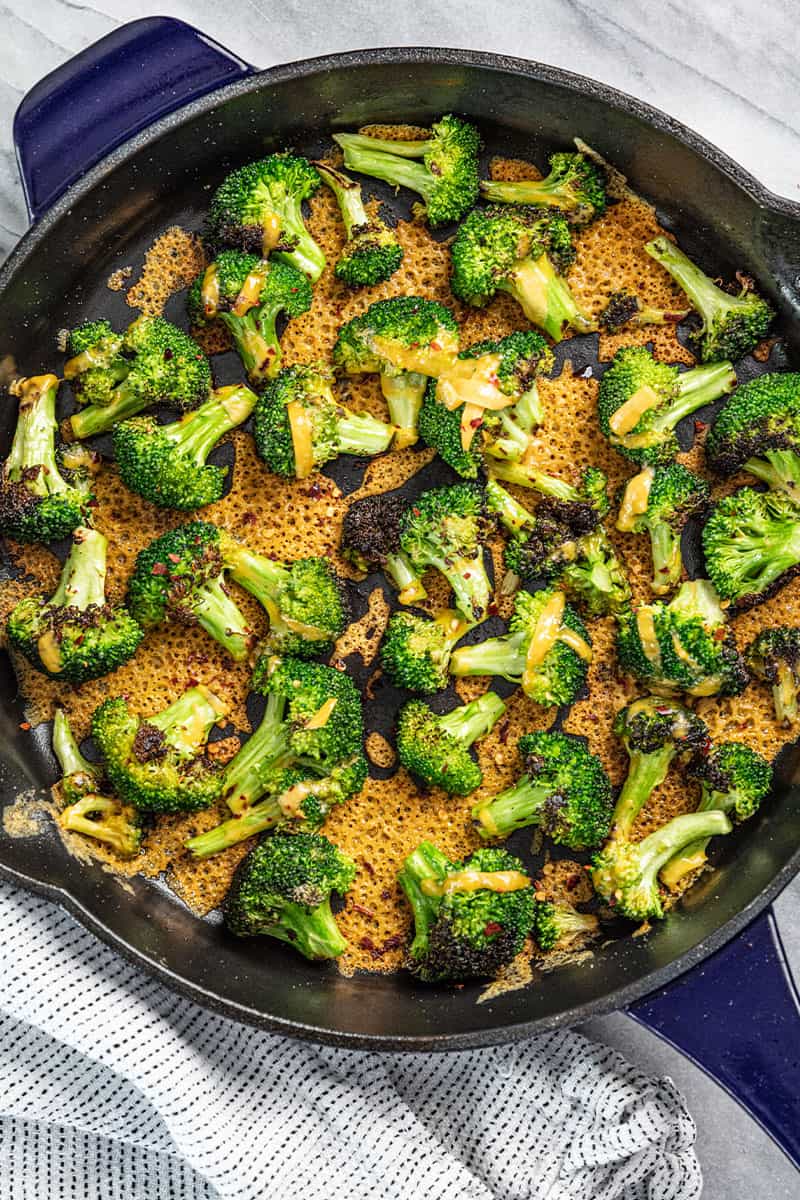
(111, 90)
(738, 1017)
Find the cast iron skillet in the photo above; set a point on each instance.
(160, 176)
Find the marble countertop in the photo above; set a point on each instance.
(729, 70)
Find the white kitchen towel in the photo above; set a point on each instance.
(114, 1088)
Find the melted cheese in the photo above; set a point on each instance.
(93, 356)
(271, 235)
(49, 652)
(474, 881)
(433, 360)
(471, 420)
(302, 439)
(414, 591)
(210, 291)
(549, 630)
(634, 502)
(310, 632)
(403, 438)
(291, 802)
(631, 412)
(250, 292)
(533, 278)
(575, 642)
(472, 381)
(322, 715)
(645, 627)
(451, 622)
(488, 822)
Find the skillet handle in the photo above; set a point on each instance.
(737, 1016)
(110, 91)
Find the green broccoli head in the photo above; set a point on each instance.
(283, 889)
(86, 809)
(259, 209)
(774, 657)
(446, 528)
(371, 251)
(731, 326)
(317, 708)
(559, 926)
(416, 650)
(733, 778)
(752, 545)
(659, 501)
(576, 186)
(435, 748)
(758, 430)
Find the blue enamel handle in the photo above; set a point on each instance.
(86, 108)
(737, 1016)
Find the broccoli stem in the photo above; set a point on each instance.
(256, 340)
(199, 431)
(256, 819)
(512, 809)
(545, 298)
(549, 191)
(399, 569)
(313, 932)
(503, 656)
(667, 562)
(389, 161)
(471, 588)
(83, 579)
(531, 477)
(508, 510)
(305, 253)
(471, 721)
(426, 862)
(348, 197)
(248, 772)
(114, 828)
(219, 615)
(67, 751)
(34, 438)
(696, 387)
(187, 722)
(645, 773)
(779, 469)
(693, 857)
(359, 433)
(96, 419)
(784, 694)
(403, 394)
(401, 148)
(677, 836)
(708, 299)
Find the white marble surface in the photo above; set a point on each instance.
(729, 70)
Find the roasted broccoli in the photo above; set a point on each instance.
(38, 501)
(565, 791)
(641, 401)
(524, 252)
(76, 635)
(247, 293)
(547, 650)
(487, 403)
(118, 375)
(774, 657)
(259, 209)
(558, 926)
(87, 810)
(435, 748)
(625, 308)
(733, 779)
(470, 918)
(659, 501)
(752, 545)
(371, 540)
(580, 506)
(416, 650)
(731, 325)
(371, 251)
(167, 463)
(300, 425)
(684, 646)
(447, 177)
(159, 763)
(405, 340)
(283, 889)
(576, 186)
(758, 431)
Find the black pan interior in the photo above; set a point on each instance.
(164, 177)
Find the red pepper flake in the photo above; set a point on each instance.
(415, 511)
(315, 491)
(571, 883)
(25, 725)
(362, 908)
(249, 518)
(476, 422)
(436, 345)
(502, 731)
(368, 867)
(492, 927)
(159, 569)
(339, 664)
(191, 681)
(699, 426)
(168, 354)
(719, 635)
(174, 558)
(366, 943)
(492, 609)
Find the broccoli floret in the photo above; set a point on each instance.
(547, 650)
(625, 308)
(246, 294)
(576, 186)
(157, 363)
(300, 425)
(405, 340)
(659, 501)
(654, 732)
(371, 540)
(581, 507)
(259, 209)
(470, 918)
(557, 926)
(454, 419)
(159, 763)
(683, 646)
(167, 463)
(522, 251)
(79, 777)
(732, 325)
(752, 545)
(435, 748)
(758, 431)
(87, 811)
(774, 657)
(39, 502)
(371, 251)
(641, 401)
(76, 635)
(447, 177)
(445, 528)
(416, 650)
(733, 779)
(625, 874)
(283, 889)
(565, 791)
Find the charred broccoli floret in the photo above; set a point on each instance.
(625, 308)
(732, 326)
(565, 791)
(487, 403)
(76, 635)
(774, 657)
(118, 375)
(247, 294)
(300, 425)
(445, 528)
(39, 502)
(558, 926)
(167, 463)
(259, 209)
(371, 251)
(447, 177)
(641, 401)
(733, 779)
(283, 889)
(684, 646)
(470, 918)
(416, 650)
(522, 251)
(159, 763)
(547, 650)
(758, 431)
(576, 186)
(752, 545)
(435, 748)
(659, 501)
(371, 540)
(581, 506)
(405, 340)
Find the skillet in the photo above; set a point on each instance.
(120, 143)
